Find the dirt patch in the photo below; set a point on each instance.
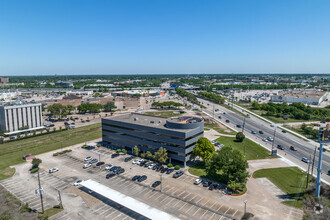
(90, 201)
(10, 207)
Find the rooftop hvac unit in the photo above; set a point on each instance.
(136, 119)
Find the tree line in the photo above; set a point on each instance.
(168, 104)
(294, 110)
(183, 93)
(212, 97)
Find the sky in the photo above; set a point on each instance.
(40, 37)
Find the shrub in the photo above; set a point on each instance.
(84, 146)
(61, 152)
(118, 150)
(124, 151)
(25, 208)
(240, 137)
(34, 170)
(169, 165)
(56, 207)
(177, 167)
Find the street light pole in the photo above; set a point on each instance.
(245, 201)
(161, 182)
(243, 125)
(274, 138)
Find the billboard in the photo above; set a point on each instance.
(324, 133)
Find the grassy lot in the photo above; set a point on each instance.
(289, 179)
(216, 127)
(299, 131)
(50, 212)
(252, 150)
(11, 153)
(164, 113)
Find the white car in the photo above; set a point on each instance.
(88, 158)
(87, 165)
(135, 161)
(198, 181)
(265, 140)
(108, 167)
(151, 166)
(52, 170)
(139, 161)
(78, 182)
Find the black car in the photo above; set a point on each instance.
(99, 163)
(128, 158)
(142, 163)
(227, 121)
(283, 131)
(280, 147)
(169, 171)
(293, 148)
(155, 184)
(114, 155)
(155, 167)
(87, 120)
(239, 126)
(178, 174)
(216, 185)
(109, 175)
(323, 149)
(219, 117)
(115, 169)
(120, 170)
(163, 170)
(261, 132)
(142, 178)
(211, 187)
(135, 177)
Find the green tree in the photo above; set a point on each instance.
(136, 151)
(36, 162)
(161, 155)
(58, 109)
(109, 106)
(204, 149)
(148, 155)
(70, 108)
(124, 151)
(230, 164)
(143, 155)
(240, 136)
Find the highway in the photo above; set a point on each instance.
(252, 123)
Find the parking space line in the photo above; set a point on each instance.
(181, 193)
(196, 211)
(235, 213)
(175, 191)
(170, 201)
(192, 198)
(206, 202)
(203, 215)
(189, 208)
(212, 205)
(183, 206)
(153, 195)
(177, 202)
(145, 190)
(186, 196)
(160, 196)
(227, 210)
(199, 200)
(212, 216)
(221, 217)
(219, 208)
(130, 184)
(165, 199)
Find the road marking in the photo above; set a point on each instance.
(219, 208)
(170, 201)
(196, 211)
(212, 216)
(206, 202)
(227, 210)
(182, 206)
(234, 213)
(212, 205)
(199, 200)
(175, 191)
(144, 190)
(177, 202)
(220, 217)
(190, 208)
(149, 192)
(153, 195)
(186, 196)
(159, 196)
(165, 198)
(181, 193)
(130, 184)
(203, 214)
(192, 198)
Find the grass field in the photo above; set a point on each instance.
(289, 179)
(252, 150)
(50, 212)
(164, 113)
(218, 129)
(11, 153)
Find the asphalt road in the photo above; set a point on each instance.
(304, 149)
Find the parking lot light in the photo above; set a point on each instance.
(245, 201)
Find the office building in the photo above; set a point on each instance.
(17, 117)
(178, 134)
(4, 80)
(309, 97)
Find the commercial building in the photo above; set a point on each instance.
(64, 83)
(17, 117)
(178, 134)
(4, 80)
(309, 97)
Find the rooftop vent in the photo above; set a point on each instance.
(136, 119)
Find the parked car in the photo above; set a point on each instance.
(128, 158)
(120, 170)
(211, 187)
(283, 131)
(198, 181)
(93, 161)
(88, 158)
(293, 148)
(227, 121)
(109, 175)
(87, 120)
(142, 178)
(272, 125)
(139, 162)
(135, 161)
(108, 167)
(261, 132)
(305, 159)
(53, 170)
(206, 183)
(114, 155)
(155, 184)
(136, 177)
(99, 163)
(78, 182)
(169, 171)
(87, 165)
(151, 166)
(178, 174)
(280, 147)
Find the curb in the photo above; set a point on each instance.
(238, 195)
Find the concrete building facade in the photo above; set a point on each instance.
(309, 97)
(14, 117)
(178, 135)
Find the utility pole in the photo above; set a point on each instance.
(313, 160)
(274, 138)
(60, 199)
(243, 125)
(41, 192)
(319, 170)
(309, 163)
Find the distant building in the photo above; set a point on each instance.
(177, 135)
(64, 83)
(14, 117)
(309, 97)
(80, 93)
(4, 80)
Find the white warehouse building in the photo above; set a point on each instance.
(15, 117)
